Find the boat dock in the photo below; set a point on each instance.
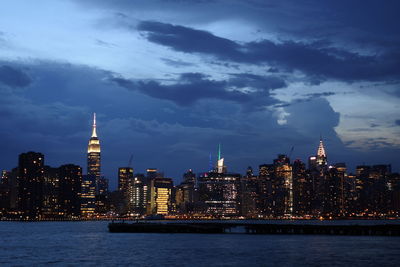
(255, 228)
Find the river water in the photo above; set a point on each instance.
(90, 244)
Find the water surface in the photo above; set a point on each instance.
(90, 244)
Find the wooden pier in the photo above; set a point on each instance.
(255, 228)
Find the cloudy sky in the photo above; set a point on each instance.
(171, 79)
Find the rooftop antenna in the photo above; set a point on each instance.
(210, 163)
(94, 133)
(130, 161)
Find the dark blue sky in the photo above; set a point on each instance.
(170, 80)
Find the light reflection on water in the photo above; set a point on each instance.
(89, 243)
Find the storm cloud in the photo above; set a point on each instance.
(13, 77)
(192, 87)
(316, 59)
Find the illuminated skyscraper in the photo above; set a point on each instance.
(160, 196)
(221, 168)
(93, 155)
(283, 186)
(321, 155)
(137, 194)
(88, 196)
(219, 191)
(91, 181)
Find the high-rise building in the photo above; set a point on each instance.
(93, 156)
(160, 197)
(30, 182)
(221, 168)
(51, 190)
(88, 196)
(70, 178)
(250, 194)
(321, 157)
(265, 189)
(125, 180)
(102, 186)
(5, 191)
(283, 186)
(302, 189)
(219, 191)
(153, 173)
(5, 177)
(125, 176)
(185, 193)
(318, 167)
(137, 194)
(189, 177)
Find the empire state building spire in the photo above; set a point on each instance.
(94, 133)
(93, 152)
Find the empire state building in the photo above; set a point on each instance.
(93, 155)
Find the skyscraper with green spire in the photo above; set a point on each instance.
(221, 168)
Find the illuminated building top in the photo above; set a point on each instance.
(321, 149)
(220, 162)
(321, 155)
(94, 142)
(220, 165)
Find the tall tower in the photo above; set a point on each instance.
(321, 155)
(93, 155)
(221, 168)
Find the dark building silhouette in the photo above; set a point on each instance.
(30, 183)
(373, 189)
(250, 194)
(5, 192)
(125, 179)
(302, 189)
(51, 191)
(125, 176)
(266, 190)
(186, 193)
(70, 188)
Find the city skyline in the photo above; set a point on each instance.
(280, 189)
(171, 80)
(94, 164)
(215, 160)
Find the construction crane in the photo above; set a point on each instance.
(130, 161)
(291, 152)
